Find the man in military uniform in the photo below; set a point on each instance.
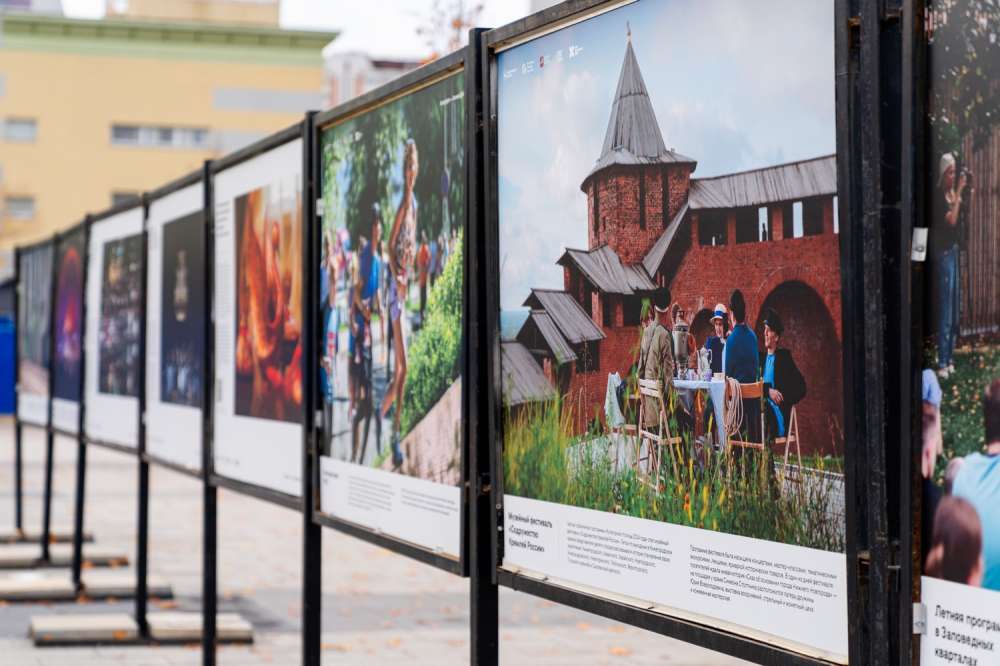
(656, 356)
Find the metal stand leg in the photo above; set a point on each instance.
(142, 551)
(209, 590)
(47, 505)
(81, 480)
(18, 491)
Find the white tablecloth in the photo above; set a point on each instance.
(717, 389)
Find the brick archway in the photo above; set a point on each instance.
(811, 336)
(817, 281)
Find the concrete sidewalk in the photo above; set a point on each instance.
(378, 608)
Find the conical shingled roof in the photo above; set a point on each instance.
(633, 135)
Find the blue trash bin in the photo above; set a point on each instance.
(6, 365)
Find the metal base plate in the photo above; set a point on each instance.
(122, 629)
(56, 535)
(106, 584)
(27, 556)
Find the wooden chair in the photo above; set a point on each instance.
(650, 388)
(791, 437)
(754, 391)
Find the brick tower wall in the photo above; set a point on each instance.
(621, 225)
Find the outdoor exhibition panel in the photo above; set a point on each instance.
(176, 306)
(67, 327)
(34, 303)
(391, 294)
(957, 353)
(258, 286)
(113, 327)
(671, 318)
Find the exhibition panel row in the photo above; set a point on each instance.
(605, 303)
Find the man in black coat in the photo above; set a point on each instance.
(784, 385)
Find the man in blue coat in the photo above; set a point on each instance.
(742, 362)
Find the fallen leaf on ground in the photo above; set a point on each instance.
(620, 651)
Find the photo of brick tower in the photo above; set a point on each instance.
(687, 367)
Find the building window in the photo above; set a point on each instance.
(763, 224)
(608, 310)
(159, 136)
(123, 197)
(22, 130)
(19, 208)
(588, 358)
(632, 310)
(712, 227)
(747, 221)
(797, 219)
(642, 200)
(597, 208)
(812, 216)
(836, 216)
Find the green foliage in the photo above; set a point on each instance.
(964, 58)
(434, 353)
(363, 162)
(961, 402)
(736, 494)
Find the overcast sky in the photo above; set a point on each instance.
(734, 85)
(382, 27)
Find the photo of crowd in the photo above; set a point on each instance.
(671, 321)
(68, 316)
(268, 302)
(34, 305)
(391, 283)
(118, 332)
(960, 453)
(182, 322)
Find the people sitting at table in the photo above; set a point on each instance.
(784, 385)
(742, 361)
(716, 342)
(978, 481)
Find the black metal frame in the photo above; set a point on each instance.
(44, 535)
(438, 70)
(214, 479)
(861, 278)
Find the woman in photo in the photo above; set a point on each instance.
(402, 249)
(945, 237)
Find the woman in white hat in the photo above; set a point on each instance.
(717, 342)
(945, 234)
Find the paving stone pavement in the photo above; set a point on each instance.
(378, 607)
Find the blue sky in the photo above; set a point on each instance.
(735, 85)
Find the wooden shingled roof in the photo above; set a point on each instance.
(759, 187)
(569, 317)
(605, 270)
(633, 136)
(523, 379)
(549, 332)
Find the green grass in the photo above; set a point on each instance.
(434, 352)
(736, 495)
(961, 402)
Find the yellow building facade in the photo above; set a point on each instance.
(96, 111)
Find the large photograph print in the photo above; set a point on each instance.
(113, 303)
(269, 302)
(118, 335)
(34, 317)
(670, 291)
(391, 310)
(960, 454)
(258, 280)
(182, 306)
(68, 316)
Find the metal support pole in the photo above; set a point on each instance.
(209, 496)
(18, 476)
(483, 592)
(142, 520)
(312, 535)
(142, 551)
(81, 479)
(47, 501)
(209, 589)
